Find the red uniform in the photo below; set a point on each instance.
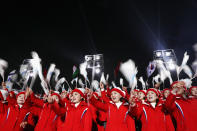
(15, 115)
(184, 112)
(47, 117)
(152, 119)
(77, 118)
(117, 118)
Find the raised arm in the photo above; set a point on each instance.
(99, 105)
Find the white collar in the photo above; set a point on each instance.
(153, 104)
(118, 104)
(20, 105)
(76, 105)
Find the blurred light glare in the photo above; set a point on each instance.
(97, 70)
(158, 54)
(168, 53)
(167, 57)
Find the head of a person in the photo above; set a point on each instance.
(117, 94)
(64, 94)
(3, 84)
(180, 86)
(135, 92)
(166, 93)
(78, 94)
(56, 97)
(141, 95)
(20, 98)
(152, 95)
(193, 91)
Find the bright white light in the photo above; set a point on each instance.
(97, 71)
(158, 54)
(98, 65)
(168, 53)
(88, 58)
(97, 57)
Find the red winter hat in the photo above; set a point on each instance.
(154, 90)
(166, 89)
(190, 89)
(81, 91)
(176, 83)
(121, 92)
(20, 94)
(56, 94)
(143, 91)
(136, 90)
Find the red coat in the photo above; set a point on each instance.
(3, 111)
(14, 116)
(152, 119)
(184, 112)
(117, 119)
(76, 119)
(47, 117)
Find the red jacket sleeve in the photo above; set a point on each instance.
(30, 123)
(170, 103)
(3, 107)
(11, 100)
(136, 111)
(30, 120)
(58, 109)
(87, 121)
(98, 104)
(35, 110)
(130, 123)
(36, 101)
(104, 97)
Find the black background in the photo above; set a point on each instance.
(63, 32)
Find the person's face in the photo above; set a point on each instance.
(180, 88)
(71, 98)
(166, 93)
(115, 96)
(151, 96)
(56, 98)
(141, 96)
(76, 97)
(63, 94)
(21, 99)
(3, 84)
(194, 91)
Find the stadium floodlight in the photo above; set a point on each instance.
(168, 57)
(95, 64)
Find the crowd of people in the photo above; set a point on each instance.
(108, 107)
(113, 109)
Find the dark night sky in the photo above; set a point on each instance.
(64, 31)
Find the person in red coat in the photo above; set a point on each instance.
(47, 118)
(181, 108)
(117, 112)
(78, 116)
(18, 116)
(3, 104)
(151, 112)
